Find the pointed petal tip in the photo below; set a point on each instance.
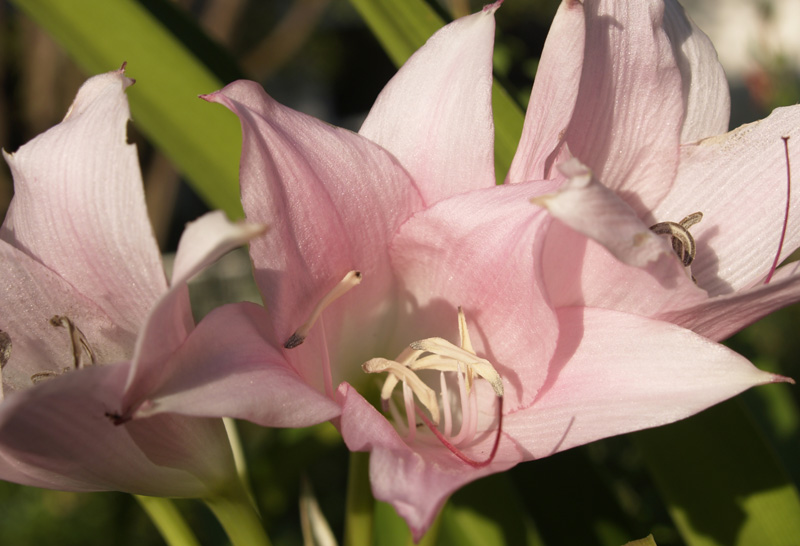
(493, 7)
(782, 379)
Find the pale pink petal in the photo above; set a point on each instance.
(480, 251)
(332, 200)
(739, 182)
(79, 207)
(553, 96)
(587, 206)
(57, 435)
(415, 479)
(34, 294)
(435, 115)
(627, 121)
(203, 241)
(582, 272)
(227, 368)
(707, 101)
(723, 316)
(206, 240)
(615, 373)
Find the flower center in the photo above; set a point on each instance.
(682, 241)
(82, 353)
(448, 410)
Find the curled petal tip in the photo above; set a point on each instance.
(782, 379)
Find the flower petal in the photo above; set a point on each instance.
(481, 251)
(206, 240)
(57, 434)
(333, 199)
(626, 124)
(738, 181)
(435, 115)
(707, 101)
(415, 479)
(33, 294)
(582, 272)
(553, 97)
(79, 205)
(615, 373)
(227, 369)
(723, 316)
(170, 321)
(587, 206)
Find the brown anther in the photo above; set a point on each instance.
(80, 344)
(5, 349)
(682, 241)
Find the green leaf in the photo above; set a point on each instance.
(203, 140)
(646, 541)
(722, 482)
(488, 511)
(402, 27)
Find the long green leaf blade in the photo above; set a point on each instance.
(201, 139)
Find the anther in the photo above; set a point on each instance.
(5, 349)
(452, 357)
(80, 345)
(682, 241)
(402, 373)
(353, 278)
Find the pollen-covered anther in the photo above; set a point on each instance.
(399, 372)
(352, 279)
(80, 345)
(452, 358)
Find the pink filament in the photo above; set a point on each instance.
(786, 214)
(460, 454)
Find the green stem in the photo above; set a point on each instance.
(239, 518)
(168, 521)
(238, 456)
(360, 503)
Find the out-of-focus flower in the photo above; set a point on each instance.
(647, 118)
(393, 252)
(88, 315)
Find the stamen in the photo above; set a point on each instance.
(466, 343)
(79, 343)
(786, 214)
(481, 366)
(425, 394)
(5, 349)
(448, 418)
(682, 241)
(460, 454)
(350, 280)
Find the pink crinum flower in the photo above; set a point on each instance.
(88, 316)
(661, 157)
(395, 269)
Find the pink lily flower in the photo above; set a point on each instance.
(394, 262)
(88, 316)
(661, 157)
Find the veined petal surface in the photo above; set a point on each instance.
(435, 115)
(79, 207)
(627, 121)
(614, 373)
